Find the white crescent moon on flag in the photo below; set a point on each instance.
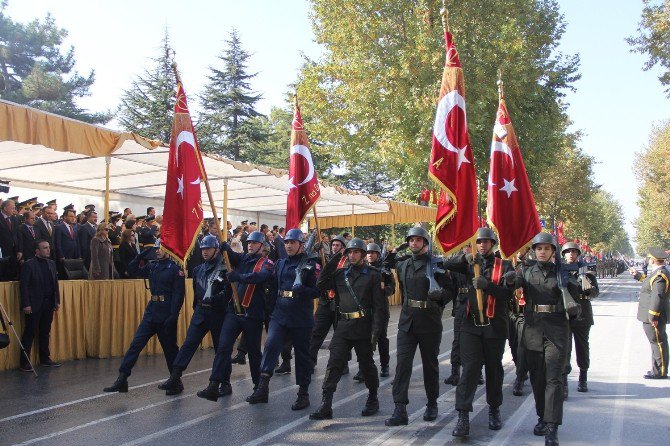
(446, 104)
(184, 136)
(499, 146)
(305, 153)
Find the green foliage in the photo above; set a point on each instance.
(147, 107)
(228, 124)
(38, 72)
(653, 38)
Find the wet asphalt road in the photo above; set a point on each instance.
(66, 406)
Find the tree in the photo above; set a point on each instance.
(653, 38)
(227, 125)
(147, 107)
(38, 72)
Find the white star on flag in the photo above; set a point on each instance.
(461, 157)
(509, 187)
(180, 187)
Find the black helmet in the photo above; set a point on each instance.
(544, 237)
(373, 247)
(355, 243)
(487, 234)
(339, 238)
(293, 234)
(571, 245)
(418, 231)
(256, 236)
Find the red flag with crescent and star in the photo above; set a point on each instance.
(451, 164)
(303, 187)
(510, 205)
(182, 213)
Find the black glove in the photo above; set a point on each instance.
(402, 247)
(318, 246)
(233, 276)
(374, 339)
(469, 258)
(481, 283)
(510, 278)
(299, 289)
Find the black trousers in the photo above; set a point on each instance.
(340, 352)
(167, 337)
(429, 346)
(324, 318)
(658, 340)
(383, 344)
(39, 322)
(456, 343)
(516, 346)
(581, 337)
(475, 351)
(546, 370)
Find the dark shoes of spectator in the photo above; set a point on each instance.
(240, 358)
(50, 363)
(26, 368)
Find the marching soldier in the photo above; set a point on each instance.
(580, 326)
(292, 316)
(166, 283)
(211, 291)
(420, 324)
(483, 334)
(251, 272)
(516, 328)
(362, 311)
(653, 311)
(545, 336)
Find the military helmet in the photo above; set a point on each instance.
(356, 243)
(209, 241)
(418, 231)
(294, 234)
(339, 238)
(544, 237)
(373, 247)
(487, 234)
(571, 245)
(256, 236)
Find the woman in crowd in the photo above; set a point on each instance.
(102, 256)
(127, 252)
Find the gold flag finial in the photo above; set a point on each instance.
(501, 93)
(444, 13)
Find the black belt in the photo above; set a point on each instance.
(288, 294)
(421, 303)
(545, 308)
(206, 305)
(465, 290)
(158, 298)
(354, 315)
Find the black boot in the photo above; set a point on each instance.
(551, 437)
(384, 372)
(120, 385)
(481, 379)
(399, 417)
(582, 386)
(462, 428)
(359, 377)
(261, 393)
(345, 370)
(540, 428)
(302, 402)
(225, 389)
(174, 386)
(565, 387)
(371, 405)
(211, 392)
(495, 423)
(517, 389)
(284, 368)
(455, 375)
(239, 358)
(325, 410)
(431, 411)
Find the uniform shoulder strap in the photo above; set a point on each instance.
(663, 276)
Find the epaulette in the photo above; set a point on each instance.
(664, 277)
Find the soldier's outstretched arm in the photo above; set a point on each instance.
(458, 263)
(325, 281)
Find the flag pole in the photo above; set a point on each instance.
(233, 285)
(318, 232)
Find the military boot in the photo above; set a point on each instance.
(431, 411)
(517, 389)
(399, 417)
(462, 428)
(582, 386)
(565, 387)
(239, 358)
(384, 373)
(211, 392)
(284, 368)
(261, 393)
(345, 370)
(455, 375)
(495, 423)
(481, 379)
(540, 428)
(120, 385)
(359, 377)
(225, 389)
(302, 402)
(551, 437)
(325, 410)
(174, 386)
(371, 405)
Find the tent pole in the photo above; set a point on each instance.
(224, 233)
(108, 161)
(353, 224)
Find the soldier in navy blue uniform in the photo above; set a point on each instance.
(166, 282)
(211, 291)
(292, 315)
(251, 272)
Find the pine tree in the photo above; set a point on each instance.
(148, 105)
(227, 124)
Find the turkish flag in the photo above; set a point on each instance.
(451, 164)
(510, 205)
(303, 187)
(182, 213)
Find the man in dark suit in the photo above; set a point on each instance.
(27, 237)
(9, 228)
(40, 297)
(85, 235)
(65, 239)
(44, 227)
